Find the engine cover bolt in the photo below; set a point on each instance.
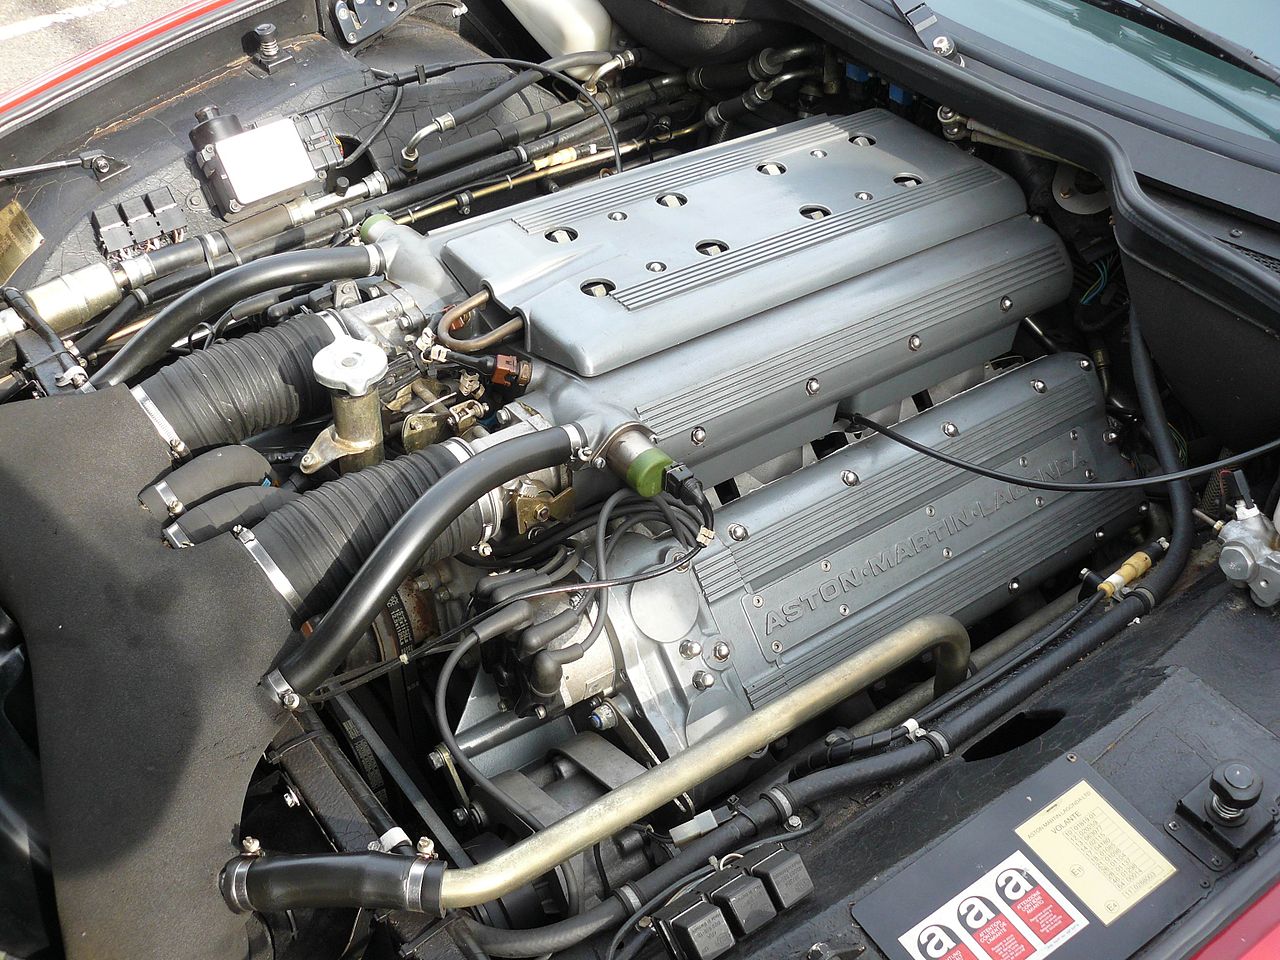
(1039, 386)
(914, 343)
(1005, 304)
(863, 195)
(721, 651)
(757, 601)
(776, 646)
(690, 649)
(1110, 437)
(1099, 534)
(1085, 364)
(1014, 586)
(949, 429)
(738, 532)
(655, 266)
(944, 46)
(826, 566)
(1074, 434)
(844, 609)
(617, 215)
(849, 478)
(817, 154)
(1039, 501)
(931, 511)
(698, 435)
(1089, 474)
(812, 386)
(947, 553)
(703, 680)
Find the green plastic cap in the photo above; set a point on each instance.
(646, 472)
(370, 222)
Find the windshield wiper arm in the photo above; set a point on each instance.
(1151, 13)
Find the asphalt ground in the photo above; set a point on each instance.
(36, 35)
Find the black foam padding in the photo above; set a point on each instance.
(239, 388)
(320, 540)
(145, 662)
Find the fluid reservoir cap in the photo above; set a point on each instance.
(350, 366)
(645, 472)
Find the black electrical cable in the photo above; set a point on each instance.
(556, 74)
(24, 309)
(1033, 483)
(396, 99)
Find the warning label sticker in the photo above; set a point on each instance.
(1012, 912)
(1101, 858)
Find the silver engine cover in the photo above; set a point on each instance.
(860, 260)
(823, 566)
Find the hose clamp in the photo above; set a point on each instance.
(780, 800)
(281, 690)
(914, 730)
(177, 537)
(235, 884)
(177, 449)
(939, 743)
(390, 840)
(629, 898)
(169, 498)
(274, 574)
(414, 881)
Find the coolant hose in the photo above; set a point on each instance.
(212, 297)
(237, 389)
(319, 540)
(209, 475)
(380, 880)
(236, 508)
(401, 550)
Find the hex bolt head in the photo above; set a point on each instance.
(1110, 437)
(1014, 586)
(690, 649)
(949, 429)
(914, 343)
(698, 435)
(1005, 304)
(251, 846)
(944, 46)
(101, 164)
(1039, 386)
(793, 822)
(812, 386)
(863, 195)
(616, 216)
(721, 651)
(738, 532)
(426, 847)
(849, 478)
(702, 680)
(1084, 364)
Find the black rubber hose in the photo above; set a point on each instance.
(120, 314)
(208, 475)
(402, 549)
(294, 882)
(320, 540)
(217, 294)
(238, 388)
(242, 507)
(526, 78)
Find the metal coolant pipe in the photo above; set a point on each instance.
(288, 882)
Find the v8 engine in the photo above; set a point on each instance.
(498, 494)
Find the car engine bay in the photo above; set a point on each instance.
(469, 504)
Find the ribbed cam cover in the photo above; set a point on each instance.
(632, 265)
(824, 566)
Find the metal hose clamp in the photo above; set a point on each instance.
(235, 884)
(274, 574)
(177, 449)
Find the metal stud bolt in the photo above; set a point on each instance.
(849, 478)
